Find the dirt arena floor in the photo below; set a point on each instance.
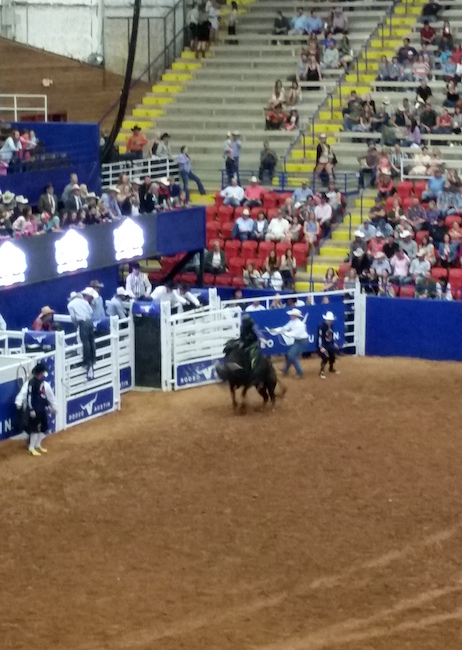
(334, 523)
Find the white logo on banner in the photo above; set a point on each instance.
(71, 252)
(13, 264)
(88, 407)
(128, 240)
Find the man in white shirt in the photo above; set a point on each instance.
(255, 306)
(137, 284)
(81, 313)
(323, 214)
(368, 229)
(278, 228)
(233, 194)
(296, 336)
(180, 298)
(273, 279)
(116, 305)
(243, 226)
(9, 151)
(67, 192)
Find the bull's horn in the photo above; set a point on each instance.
(234, 366)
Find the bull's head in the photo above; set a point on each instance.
(225, 370)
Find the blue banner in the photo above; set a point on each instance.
(277, 344)
(44, 340)
(197, 373)
(87, 406)
(125, 378)
(8, 393)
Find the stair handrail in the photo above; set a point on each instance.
(163, 54)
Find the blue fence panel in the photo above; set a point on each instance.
(414, 328)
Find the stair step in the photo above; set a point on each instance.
(150, 99)
(186, 65)
(334, 251)
(187, 54)
(148, 112)
(170, 88)
(177, 76)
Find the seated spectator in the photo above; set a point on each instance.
(273, 279)
(352, 111)
(413, 136)
(398, 160)
(44, 321)
(384, 69)
(311, 231)
(368, 165)
(325, 159)
(298, 23)
(291, 123)
(281, 25)
(344, 50)
(313, 72)
(136, 142)
(271, 262)
(449, 67)
(420, 69)
(428, 119)
(419, 267)
(443, 289)
(407, 244)
(390, 247)
(426, 287)
(74, 202)
(455, 233)
(381, 263)
(331, 58)
(215, 260)
(288, 269)
(268, 162)
(314, 24)
(430, 13)
(278, 96)
(335, 200)
(253, 195)
(330, 280)
(395, 70)
(303, 193)
(260, 226)
(293, 94)
(255, 306)
(110, 198)
(395, 213)
(233, 194)
(314, 49)
(453, 182)
(421, 162)
(338, 21)
(447, 251)
(323, 214)
(295, 229)
(276, 303)
(446, 41)
(385, 185)
(416, 214)
(381, 117)
(400, 264)
(278, 228)
(351, 281)
(435, 186)
(432, 213)
(423, 92)
(369, 231)
(427, 55)
(275, 118)
(251, 276)
(406, 52)
(427, 33)
(378, 215)
(359, 241)
(243, 227)
(437, 231)
(452, 96)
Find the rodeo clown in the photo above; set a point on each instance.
(326, 345)
(35, 398)
(295, 329)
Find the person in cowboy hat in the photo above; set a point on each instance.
(110, 198)
(326, 345)
(295, 331)
(81, 313)
(35, 398)
(136, 142)
(97, 303)
(116, 305)
(163, 148)
(44, 321)
(74, 202)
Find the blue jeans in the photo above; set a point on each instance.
(237, 234)
(186, 177)
(292, 355)
(230, 201)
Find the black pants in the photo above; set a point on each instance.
(87, 336)
(39, 424)
(232, 32)
(230, 165)
(328, 356)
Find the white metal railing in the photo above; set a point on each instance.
(17, 105)
(409, 163)
(155, 168)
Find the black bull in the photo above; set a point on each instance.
(236, 370)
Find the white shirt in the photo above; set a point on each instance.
(115, 307)
(323, 213)
(9, 149)
(79, 310)
(278, 227)
(253, 307)
(21, 397)
(175, 297)
(138, 286)
(274, 280)
(296, 328)
(233, 192)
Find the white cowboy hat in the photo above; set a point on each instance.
(89, 291)
(385, 101)
(21, 199)
(379, 255)
(75, 187)
(246, 212)
(295, 312)
(406, 233)
(359, 233)
(164, 181)
(8, 197)
(254, 179)
(113, 188)
(422, 251)
(329, 316)
(121, 291)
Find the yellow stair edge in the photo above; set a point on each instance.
(186, 65)
(177, 76)
(148, 112)
(157, 88)
(157, 100)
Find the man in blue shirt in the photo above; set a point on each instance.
(314, 24)
(298, 23)
(435, 186)
(302, 193)
(243, 226)
(184, 164)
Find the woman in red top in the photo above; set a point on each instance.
(444, 122)
(385, 185)
(136, 142)
(457, 54)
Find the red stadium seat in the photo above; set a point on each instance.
(270, 200)
(225, 213)
(211, 212)
(227, 229)
(457, 295)
(452, 218)
(420, 235)
(235, 265)
(439, 272)
(218, 199)
(389, 202)
(272, 212)
(156, 277)
(212, 241)
(264, 249)
(281, 247)
(249, 248)
(455, 278)
(419, 188)
(238, 212)
(223, 280)
(254, 212)
(256, 261)
(407, 202)
(189, 278)
(300, 252)
(407, 291)
(213, 229)
(238, 283)
(282, 196)
(209, 279)
(232, 248)
(404, 189)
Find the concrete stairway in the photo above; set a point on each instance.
(198, 101)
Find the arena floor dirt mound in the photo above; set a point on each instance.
(335, 522)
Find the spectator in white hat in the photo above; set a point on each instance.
(116, 305)
(74, 202)
(253, 194)
(243, 226)
(110, 198)
(233, 194)
(81, 313)
(296, 336)
(407, 244)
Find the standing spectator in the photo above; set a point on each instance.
(325, 159)
(97, 303)
(163, 148)
(12, 148)
(232, 22)
(116, 305)
(233, 194)
(243, 226)
(368, 165)
(137, 283)
(44, 321)
(193, 26)
(236, 145)
(278, 228)
(214, 20)
(228, 155)
(215, 260)
(136, 142)
(253, 194)
(67, 192)
(48, 202)
(186, 174)
(268, 162)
